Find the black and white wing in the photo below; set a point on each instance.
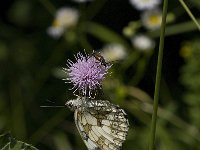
(102, 125)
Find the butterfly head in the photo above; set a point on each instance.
(74, 103)
(70, 105)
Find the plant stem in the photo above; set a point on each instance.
(49, 6)
(176, 29)
(47, 126)
(158, 76)
(190, 13)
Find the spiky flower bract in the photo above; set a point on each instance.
(86, 74)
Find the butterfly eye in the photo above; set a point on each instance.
(69, 104)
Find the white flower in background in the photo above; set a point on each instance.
(113, 52)
(145, 4)
(142, 42)
(151, 19)
(65, 18)
(55, 31)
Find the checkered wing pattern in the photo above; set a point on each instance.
(102, 125)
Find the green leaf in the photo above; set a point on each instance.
(61, 141)
(187, 9)
(196, 3)
(105, 34)
(8, 142)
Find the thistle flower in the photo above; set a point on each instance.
(86, 74)
(65, 18)
(113, 52)
(142, 42)
(151, 19)
(145, 4)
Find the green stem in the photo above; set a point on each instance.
(190, 13)
(48, 126)
(158, 76)
(49, 6)
(176, 29)
(19, 124)
(94, 8)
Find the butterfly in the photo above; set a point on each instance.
(102, 125)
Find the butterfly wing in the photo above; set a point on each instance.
(78, 117)
(102, 125)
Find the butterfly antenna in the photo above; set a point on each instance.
(52, 106)
(46, 106)
(50, 101)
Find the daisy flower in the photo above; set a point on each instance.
(113, 52)
(145, 4)
(65, 18)
(186, 50)
(55, 31)
(142, 42)
(86, 74)
(151, 19)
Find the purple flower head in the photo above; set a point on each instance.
(86, 74)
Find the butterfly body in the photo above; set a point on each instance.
(102, 125)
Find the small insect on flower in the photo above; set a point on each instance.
(86, 74)
(102, 125)
(99, 58)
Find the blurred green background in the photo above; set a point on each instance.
(31, 74)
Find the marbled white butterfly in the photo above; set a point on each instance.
(102, 125)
